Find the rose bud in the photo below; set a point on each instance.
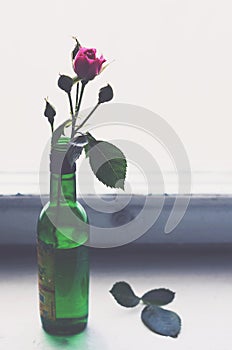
(49, 113)
(105, 94)
(65, 83)
(49, 110)
(86, 65)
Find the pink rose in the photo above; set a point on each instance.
(86, 65)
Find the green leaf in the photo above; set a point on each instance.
(161, 321)
(159, 296)
(124, 295)
(107, 162)
(60, 131)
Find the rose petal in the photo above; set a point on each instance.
(86, 65)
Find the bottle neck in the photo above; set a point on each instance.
(63, 189)
(63, 174)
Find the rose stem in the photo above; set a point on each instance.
(71, 110)
(88, 116)
(77, 93)
(81, 95)
(78, 107)
(52, 127)
(70, 102)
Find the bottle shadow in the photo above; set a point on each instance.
(79, 341)
(82, 341)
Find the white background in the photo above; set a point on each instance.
(172, 57)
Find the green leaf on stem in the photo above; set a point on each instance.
(107, 162)
(124, 295)
(161, 321)
(161, 296)
(60, 131)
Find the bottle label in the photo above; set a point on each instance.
(46, 261)
(63, 281)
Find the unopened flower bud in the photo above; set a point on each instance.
(50, 113)
(65, 83)
(49, 110)
(105, 94)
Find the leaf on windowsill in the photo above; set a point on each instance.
(161, 296)
(161, 321)
(124, 295)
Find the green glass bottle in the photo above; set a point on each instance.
(62, 256)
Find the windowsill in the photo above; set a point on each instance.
(201, 279)
(207, 220)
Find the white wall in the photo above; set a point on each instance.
(173, 57)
